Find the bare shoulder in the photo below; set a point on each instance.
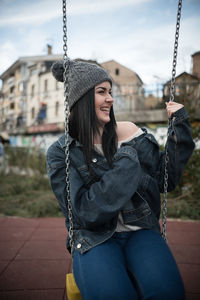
(125, 130)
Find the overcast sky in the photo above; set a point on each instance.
(137, 33)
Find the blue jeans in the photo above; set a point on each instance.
(130, 265)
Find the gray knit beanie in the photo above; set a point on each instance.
(82, 77)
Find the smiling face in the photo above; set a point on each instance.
(103, 102)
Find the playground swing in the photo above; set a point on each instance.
(73, 292)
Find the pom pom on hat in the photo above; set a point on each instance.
(57, 70)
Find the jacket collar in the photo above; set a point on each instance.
(72, 141)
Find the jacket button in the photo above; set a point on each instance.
(78, 246)
(94, 160)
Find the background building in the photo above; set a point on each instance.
(29, 93)
(196, 64)
(186, 85)
(130, 85)
(32, 101)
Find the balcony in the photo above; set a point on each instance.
(11, 81)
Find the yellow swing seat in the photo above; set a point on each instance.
(73, 292)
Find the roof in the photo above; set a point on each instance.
(182, 75)
(188, 75)
(196, 53)
(112, 60)
(39, 58)
(28, 59)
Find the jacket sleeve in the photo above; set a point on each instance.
(180, 148)
(103, 200)
(56, 170)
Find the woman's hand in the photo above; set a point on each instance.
(172, 107)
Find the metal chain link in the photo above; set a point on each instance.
(66, 102)
(172, 90)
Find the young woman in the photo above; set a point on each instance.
(116, 177)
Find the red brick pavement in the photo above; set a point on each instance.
(34, 261)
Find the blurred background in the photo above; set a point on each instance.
(133, 40)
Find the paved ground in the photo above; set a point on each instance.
(34, 262)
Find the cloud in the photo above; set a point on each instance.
(40, 12)
(90, 6)
(147, 51)
(33, 13)
(150, 51)
(6, 58)
(144, 47)
(30, 44)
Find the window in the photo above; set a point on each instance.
(12, 105)
(11, 79)
(33, 71)
(123, 90)
(42, 113)
(32, 112)
(131, 90)
(166, 90)
(56, 108)
(117, 71)
(187, 87)
(19, 121)
(177, 90)
(20, 87)
(45, 85)
(12, 89)
(32, 90)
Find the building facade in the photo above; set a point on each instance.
(28, 94)
(130, 85)
(185, 83)
(32, 101)
(196, 64)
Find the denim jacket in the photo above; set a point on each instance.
(131, 186)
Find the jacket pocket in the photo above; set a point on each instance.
(136, 209)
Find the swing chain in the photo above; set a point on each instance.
(64, 30)
(66, 102)
(172, 90)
